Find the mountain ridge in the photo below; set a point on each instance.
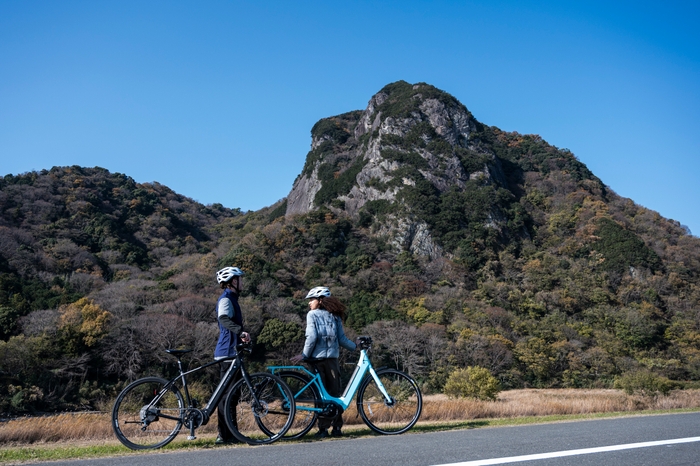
(462, 245)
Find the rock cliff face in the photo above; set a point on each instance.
(409, 136)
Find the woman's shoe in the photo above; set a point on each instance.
(322, 433)
(336, 432)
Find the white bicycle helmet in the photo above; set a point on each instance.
(227, 273)
(318, 292)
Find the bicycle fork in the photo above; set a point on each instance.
(257, 405)
(389, 399)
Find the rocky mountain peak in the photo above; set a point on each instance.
(410, 137)
(399, 106)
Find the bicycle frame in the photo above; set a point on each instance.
(361, 369)
(213, 402)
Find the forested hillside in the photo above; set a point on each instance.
(87, 286)
(453, 244)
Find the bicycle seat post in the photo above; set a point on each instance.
(178, 353)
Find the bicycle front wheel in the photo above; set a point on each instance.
(141, 423)
(393, 416)
(263, 414)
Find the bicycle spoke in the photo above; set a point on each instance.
(262, 415)
(141, 424)
(393, 416)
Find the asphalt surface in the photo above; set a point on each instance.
(462, 446)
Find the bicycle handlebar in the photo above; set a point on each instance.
(365, 342)
(244, 347)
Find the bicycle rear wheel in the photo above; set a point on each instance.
(306, 398)
(395, 416)
(262, 415)
(141, 424)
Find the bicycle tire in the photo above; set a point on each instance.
(141, 429)
(401, 413)
(304, 419)
(264, 423)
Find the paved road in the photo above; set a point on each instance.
(464, 446)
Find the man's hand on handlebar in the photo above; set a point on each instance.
(245, 337)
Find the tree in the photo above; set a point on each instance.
(8, 321)
(82, 324)
(472, 382)
(401, 341)
(281, 337)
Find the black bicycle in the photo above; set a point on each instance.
(150, 412)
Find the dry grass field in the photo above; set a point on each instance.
(520, 403)
(79, 428)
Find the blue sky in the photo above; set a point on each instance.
(217, 99)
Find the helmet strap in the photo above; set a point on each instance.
(234, 284)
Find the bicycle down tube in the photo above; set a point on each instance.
(363, 366)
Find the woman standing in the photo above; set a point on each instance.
(324, 336)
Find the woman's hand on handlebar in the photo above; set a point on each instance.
(245, 337)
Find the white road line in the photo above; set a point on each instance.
(583, 451)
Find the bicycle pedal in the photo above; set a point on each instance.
(191, 437)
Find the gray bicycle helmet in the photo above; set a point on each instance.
(227, 273)
(318, 292)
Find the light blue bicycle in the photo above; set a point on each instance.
(388, 400)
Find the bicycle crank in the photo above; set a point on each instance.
(193, 419)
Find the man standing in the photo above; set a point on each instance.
(228, 314)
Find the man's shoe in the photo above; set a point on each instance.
(224, 441)
(323, 433)
(336, 432)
